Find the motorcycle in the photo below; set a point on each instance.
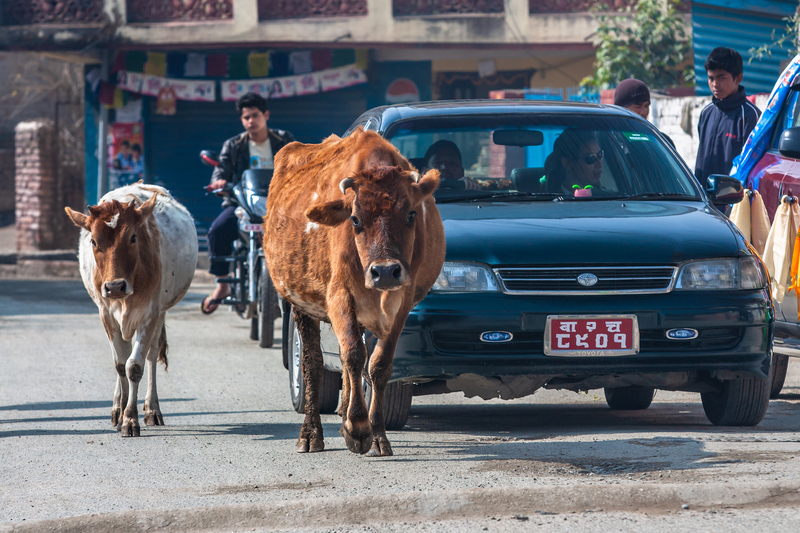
(253, 297)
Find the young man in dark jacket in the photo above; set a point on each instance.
(727, 121)
(255, 148)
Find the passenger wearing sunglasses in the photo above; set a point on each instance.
(576, 164)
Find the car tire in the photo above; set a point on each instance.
(780, 365)
(630, 398)
(738, 402)
(267, 306)
(396, 403)
(331, 381)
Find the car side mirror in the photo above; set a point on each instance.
(724, 190)
(789, 143)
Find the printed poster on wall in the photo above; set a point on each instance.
(125, 153)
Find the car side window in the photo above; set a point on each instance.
(788, 118)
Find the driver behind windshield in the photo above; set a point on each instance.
(576, 164)
(445, 157)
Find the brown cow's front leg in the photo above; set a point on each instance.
(380, 370)
(311, 433)
(356, 428)
(345, 403)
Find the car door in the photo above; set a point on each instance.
(780, 175)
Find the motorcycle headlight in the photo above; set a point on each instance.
(465, 277)
(257, 204)
(721, 274)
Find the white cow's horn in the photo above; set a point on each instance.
(414, 176)
(346, 184)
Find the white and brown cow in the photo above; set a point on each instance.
(138, 252)
(352, 237)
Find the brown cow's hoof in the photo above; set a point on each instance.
(356, 443)
(153, 418)
(310, 445)
(130, 428)
(380, 448)
(116, 417)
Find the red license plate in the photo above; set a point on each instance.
(592, 336)
(252, 227)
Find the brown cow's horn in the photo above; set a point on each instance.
(414, 176)
(346, 184)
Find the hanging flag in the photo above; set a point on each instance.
(195, 66)
(217, 65)
(362, 58)
(176, 64)
(135, 60)
(156, 64)
(300, 62)
(106, 94)
(283, 87)
(237, 65)
(258, 64)
(278, 64)
(321, 59)
(343, 57)
(119, 62)
(287, 86)
(193, 90)
(166, 103)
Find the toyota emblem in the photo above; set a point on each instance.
(587, 280)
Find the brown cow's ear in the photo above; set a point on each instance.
(147, 208)
(79, 219)
(428, 183)
(330, 213)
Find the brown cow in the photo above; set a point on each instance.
(138, 252)
(352, 237)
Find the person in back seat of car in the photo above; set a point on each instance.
(445, 157)
(575, 163)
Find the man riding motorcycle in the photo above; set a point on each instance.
(255, 148)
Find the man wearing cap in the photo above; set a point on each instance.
(633, 95)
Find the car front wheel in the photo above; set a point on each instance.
(631, 398)
(780, 364)
(738, 402)
(396, 403)
(331, 381)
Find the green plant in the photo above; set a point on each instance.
(791, 34)
(647, 41)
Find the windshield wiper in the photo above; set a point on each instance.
(494, 195)
(658, 196)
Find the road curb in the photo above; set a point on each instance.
(427, 506)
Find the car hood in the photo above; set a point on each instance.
(580, 232)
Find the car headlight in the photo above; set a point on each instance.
(721, 274)
(462, 277)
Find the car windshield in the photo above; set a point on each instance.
(543, 157)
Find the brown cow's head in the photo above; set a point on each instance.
(114, 229)
(382, 213)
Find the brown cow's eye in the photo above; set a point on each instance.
(411, 216)
(356, 222)
(133, 238)
(94, 244)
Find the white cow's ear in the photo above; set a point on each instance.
(147, 208)
(79, 219)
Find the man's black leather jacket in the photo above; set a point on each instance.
(235, 156)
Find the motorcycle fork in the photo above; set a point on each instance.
(252, 267)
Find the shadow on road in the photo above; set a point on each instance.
(44, 297)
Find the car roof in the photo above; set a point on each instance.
(453, 108)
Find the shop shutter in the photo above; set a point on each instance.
(741, 25)
(173, 142)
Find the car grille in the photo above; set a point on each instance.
(531, 342)
(650, 279)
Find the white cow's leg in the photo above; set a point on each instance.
(120, 350)
(143, 340)
(152, 411)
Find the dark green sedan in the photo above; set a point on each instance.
(581, 254)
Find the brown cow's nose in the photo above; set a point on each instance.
(116, 287)
(386, 275)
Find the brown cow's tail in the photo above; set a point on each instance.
(163, 347)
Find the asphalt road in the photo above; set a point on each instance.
(225, 459)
